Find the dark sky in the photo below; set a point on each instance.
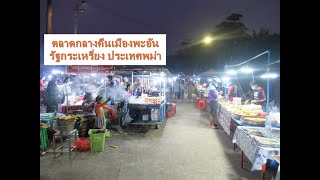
(179, 19)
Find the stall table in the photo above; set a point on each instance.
(229, 123)
(257, 154)
(225, 120)
(61, 148)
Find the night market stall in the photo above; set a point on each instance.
(87, 79)
(255, 128)
(147, 105)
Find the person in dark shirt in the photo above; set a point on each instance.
(53, 94)
(110, 83)
(258, 95)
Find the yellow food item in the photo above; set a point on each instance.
(66, 118)
(254, 119)
(77, 116)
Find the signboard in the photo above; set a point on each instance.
(87, 69)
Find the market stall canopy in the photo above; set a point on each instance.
(142, 70)
(87, 69)
(210, 73)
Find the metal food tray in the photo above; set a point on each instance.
(49, 119)
(246, 123)
(257, 142)
(267, 145)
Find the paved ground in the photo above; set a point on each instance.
(183, 148)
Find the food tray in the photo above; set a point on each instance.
(236, 117)
(49, 119)
(246, 123)
(266, 142)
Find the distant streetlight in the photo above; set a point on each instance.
(78, 9)
(207, 40)
(49, 16)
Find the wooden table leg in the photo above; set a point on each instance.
(263, 173)
(241, 159)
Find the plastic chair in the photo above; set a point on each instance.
(197, 100)
(168, 114)
(202, 104)
(174, 108)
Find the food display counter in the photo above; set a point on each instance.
(230, 116)
(258, 144)
(144, 111)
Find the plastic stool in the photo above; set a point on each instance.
(174, 108)
(197, 101)
(43, 138)
(168, 114)
(202, 104)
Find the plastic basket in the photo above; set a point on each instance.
(97, 140)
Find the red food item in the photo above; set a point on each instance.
(263, 114)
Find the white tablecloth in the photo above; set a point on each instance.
(257, 155)
(224, 119)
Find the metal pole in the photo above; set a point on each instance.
(132, 86)
(105, 85)
(268, 86)
(76, 19)
(225, 90)
(252, 76)
(225, 84)
(49, 16)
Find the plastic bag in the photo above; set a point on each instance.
(83, 144)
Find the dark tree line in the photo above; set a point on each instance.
(232, 44)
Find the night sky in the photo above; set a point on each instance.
(179, 19)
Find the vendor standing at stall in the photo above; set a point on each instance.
(42, 87)
(53, 95)
(258, 95)
(88, 115)
(231, 90)
(66, 89)
(110, 82)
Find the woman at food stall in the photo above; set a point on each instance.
(213, 102)
(88, 115)
(88, 105)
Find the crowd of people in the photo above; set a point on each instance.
(180, 88)
(257, 96)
